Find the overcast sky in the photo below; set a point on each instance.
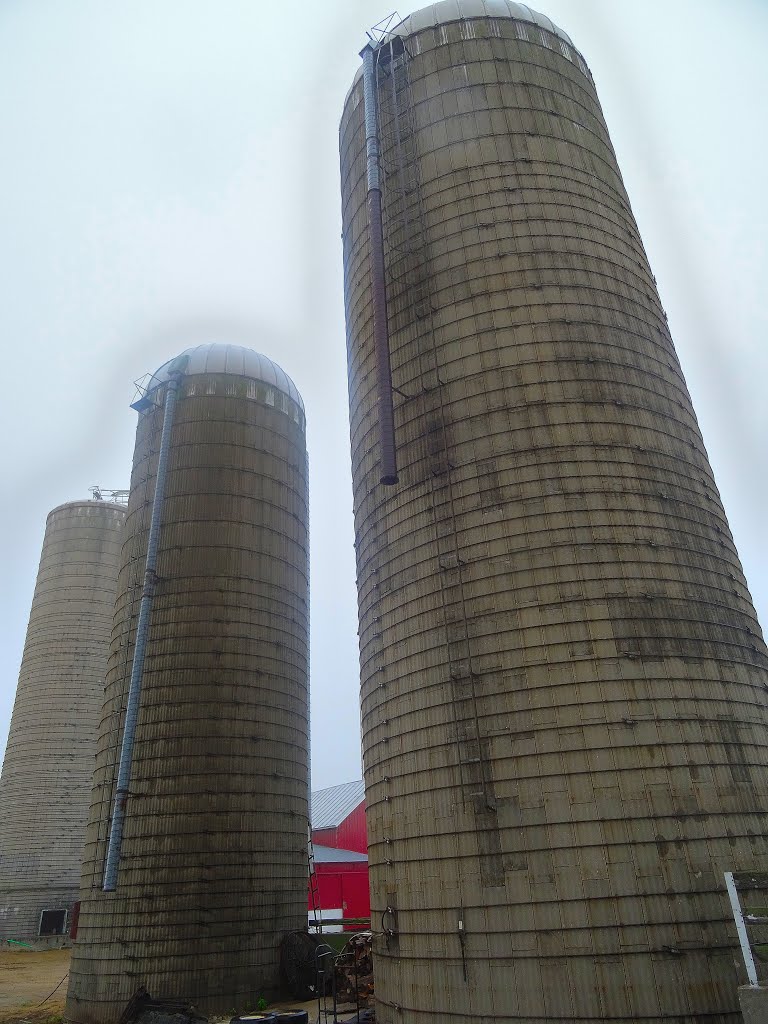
(170, 176)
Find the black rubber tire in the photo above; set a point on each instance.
(254, 1018)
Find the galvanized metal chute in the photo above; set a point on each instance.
(112, 862)
(388, 471)
(215, 831)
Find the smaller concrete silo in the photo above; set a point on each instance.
(46, 779)
(211, 868)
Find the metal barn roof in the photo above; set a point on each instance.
(331, 806)
(330, 855)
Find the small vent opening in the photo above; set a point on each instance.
(53, 922)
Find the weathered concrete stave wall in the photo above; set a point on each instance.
(214, 864)
(46, 779)
(563, 677)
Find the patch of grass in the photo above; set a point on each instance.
(336, 940)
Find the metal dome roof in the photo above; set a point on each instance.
(463, 10)
(88, 503)
(460, 10)
(235, 359)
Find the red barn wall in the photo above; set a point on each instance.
(325, 837)
(351, 833)
(343, 886)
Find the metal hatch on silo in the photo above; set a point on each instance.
(562, 674)
(45, 785)
(211, 868)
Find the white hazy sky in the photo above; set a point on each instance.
(170, 176)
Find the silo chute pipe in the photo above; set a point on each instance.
(142, 635)
(388, 473)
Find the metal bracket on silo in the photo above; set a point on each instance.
(378, 283)
(142, 634)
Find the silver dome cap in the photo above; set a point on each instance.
(222, 358)
(461, 10)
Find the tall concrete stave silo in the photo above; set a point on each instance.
(45, 784)
(213, 861)
(563, 677)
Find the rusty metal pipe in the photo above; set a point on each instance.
(388, 456)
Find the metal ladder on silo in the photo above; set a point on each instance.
(410, 285)
(314, 889)
(406, 235)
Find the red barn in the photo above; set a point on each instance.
(341, 852)
(342, 885)
(338, 817)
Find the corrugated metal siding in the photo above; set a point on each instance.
(47, 772)
(564, 717)
(214, 866)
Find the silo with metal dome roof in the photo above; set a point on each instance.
(563, 681)
(207, 771)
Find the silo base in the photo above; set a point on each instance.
(754, 1004)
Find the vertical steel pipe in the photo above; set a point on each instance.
(388, 469)
(142, 633)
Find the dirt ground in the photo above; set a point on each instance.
(27, 978)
